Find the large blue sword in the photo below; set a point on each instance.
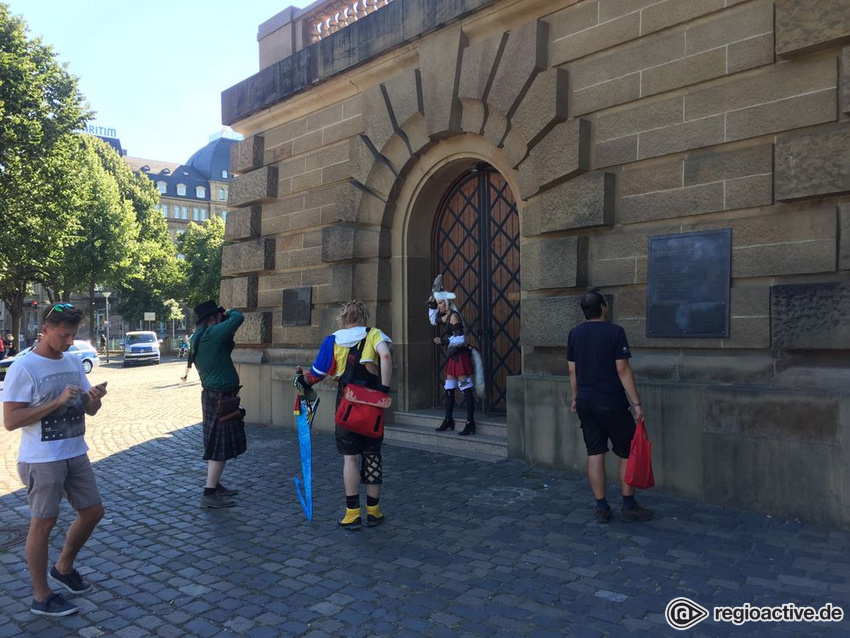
(306, 403)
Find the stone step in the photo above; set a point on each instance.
(484, 424)
(416, 430)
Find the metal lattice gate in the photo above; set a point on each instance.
(476, 248)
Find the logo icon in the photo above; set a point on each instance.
(683, 613)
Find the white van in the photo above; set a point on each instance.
(141, 347)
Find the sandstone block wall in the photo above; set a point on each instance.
(614, 121)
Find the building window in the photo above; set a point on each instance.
(223, 215)
(203, 213)
(185, 212)
(164, 210)
(196, 214)
(162, 186)
(221, 194)
(181, 190)
(224, 173)
(200, 192)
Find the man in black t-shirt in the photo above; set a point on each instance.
(602, 382)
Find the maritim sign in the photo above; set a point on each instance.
(100, 131)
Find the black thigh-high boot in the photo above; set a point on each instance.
(469, 398)
(448, 422)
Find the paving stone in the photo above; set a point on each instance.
(468, 565)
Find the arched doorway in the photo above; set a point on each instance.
(475, 246)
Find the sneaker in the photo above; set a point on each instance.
(223, 491)
(602, 515)
(637, 514)
(54, 605)
(216, 501)
(73, 582)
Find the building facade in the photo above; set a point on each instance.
(530, 150)
(194, 191)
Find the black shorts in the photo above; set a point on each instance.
(350, 443)
(599, 424)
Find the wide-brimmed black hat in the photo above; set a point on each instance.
(206, 309)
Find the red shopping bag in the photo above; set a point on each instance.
(639, 465)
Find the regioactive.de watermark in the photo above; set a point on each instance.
(683, 613)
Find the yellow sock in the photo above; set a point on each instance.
(352, 517)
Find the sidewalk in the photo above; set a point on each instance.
(469, 549)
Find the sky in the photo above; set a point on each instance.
(154, 70)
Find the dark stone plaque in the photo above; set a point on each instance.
(689, 279)
(297, 304)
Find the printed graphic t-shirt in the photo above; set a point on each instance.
(36, 380)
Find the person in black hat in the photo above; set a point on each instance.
(224, 424)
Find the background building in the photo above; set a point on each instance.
(531, 150)
(194, 191)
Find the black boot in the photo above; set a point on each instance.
(469, 400)
(448, 422)
(469, 429)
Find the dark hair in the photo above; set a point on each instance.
(62, 313)
(592, 302)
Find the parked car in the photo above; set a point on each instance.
(5, 363)
(141, 347)
(82, 349)
(86, 352)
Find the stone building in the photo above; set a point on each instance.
(530, 150)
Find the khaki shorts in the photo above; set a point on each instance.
(48, 482)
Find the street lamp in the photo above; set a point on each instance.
(106, 296)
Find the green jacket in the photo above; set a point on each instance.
(212, 347)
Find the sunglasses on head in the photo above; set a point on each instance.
(60, 307)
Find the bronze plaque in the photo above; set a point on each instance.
(689, 281)
(297, 305)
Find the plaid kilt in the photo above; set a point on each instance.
(222, 441)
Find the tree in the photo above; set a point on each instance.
(101, 252)
(155, 274)
(40, 108)
(201, 247)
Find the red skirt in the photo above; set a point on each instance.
(460, 364)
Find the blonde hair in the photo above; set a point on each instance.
(353, 313)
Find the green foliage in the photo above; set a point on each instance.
(40, 108)
(155, 274)
(201, 247)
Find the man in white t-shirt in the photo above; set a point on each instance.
(47, 396)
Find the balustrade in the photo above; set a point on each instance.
(338, 14)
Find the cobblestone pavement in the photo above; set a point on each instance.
(469, 548)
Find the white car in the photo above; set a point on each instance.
(141, 347)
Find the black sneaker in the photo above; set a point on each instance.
(223, 491)
(54, 605)
(73, 582)
(637, 514)
(216, 501)
(602, 515)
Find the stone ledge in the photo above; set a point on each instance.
(243, 224)
(255, 187)
(239, 292)
(247, 155)
(256, 330)
(248, 257)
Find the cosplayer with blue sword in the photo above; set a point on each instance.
(356, 354)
